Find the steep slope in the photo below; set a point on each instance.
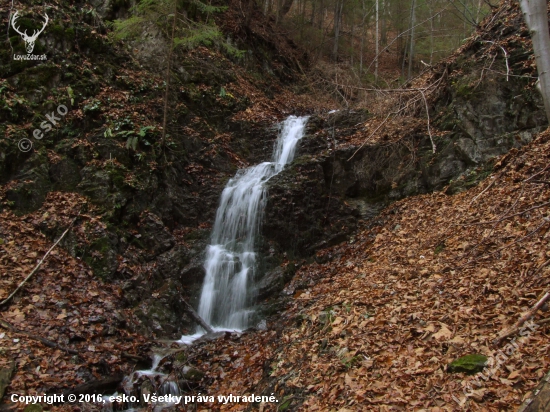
(374, 322)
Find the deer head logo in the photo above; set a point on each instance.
(29, 40)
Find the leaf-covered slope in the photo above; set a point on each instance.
(375, 325)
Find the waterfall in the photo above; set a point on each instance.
(227, 292)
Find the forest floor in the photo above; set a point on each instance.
(436, 277)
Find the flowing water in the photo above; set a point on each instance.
(227, 292)
(228, 288)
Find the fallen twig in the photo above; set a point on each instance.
(46, 342)
(136, 358)
(372, 134)
(509, 216)
(197, 318)
(539, 268)
(39, 264)
(522, 320)
(484, 190)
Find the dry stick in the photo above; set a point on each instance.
(428, 115)
(509, 216)
(484, 190)
(536, 174)
(505, 56)
(540, 268)
(197, 318)
(372, 134)
(483, 71)
(422, 91)
(522, 320)
(46, 342)
(519, 240)
(39, 263)
(503, 247)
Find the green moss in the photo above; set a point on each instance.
(193, 375)
(102, 245)
(469, 364)
(33, 408)
(69, 33)
(57, 30)
(117, 177)
(97, 256)
(285, 403)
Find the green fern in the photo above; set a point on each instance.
(208, 8)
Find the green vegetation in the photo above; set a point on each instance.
(185, 32)
(469, 364)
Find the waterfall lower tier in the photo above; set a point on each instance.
(228, 289)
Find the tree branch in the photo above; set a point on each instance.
(522, 320)
(39, 263)
(46, 342)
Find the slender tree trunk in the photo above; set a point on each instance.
(285, 8)
(404, 59)
(377, 40)
(431, 37)
(168, 73)
(351, 41)
(411, 50)
(384, 33)
(337, 22)
(321, 14)
(478, 12)
(364, 10)
(536, 17)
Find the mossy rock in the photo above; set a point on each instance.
(191, 374)
(33, 408)
(469, 364)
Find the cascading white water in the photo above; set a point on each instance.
(230, 257)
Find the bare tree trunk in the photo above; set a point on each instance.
(337, 22)
(411, 49)
(351, 41)
(431, 37)
(536, 17)
(285, 8)
(377, 40)
(364, 10)
(384, 32)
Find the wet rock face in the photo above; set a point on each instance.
(301, 213)
(156, 237)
